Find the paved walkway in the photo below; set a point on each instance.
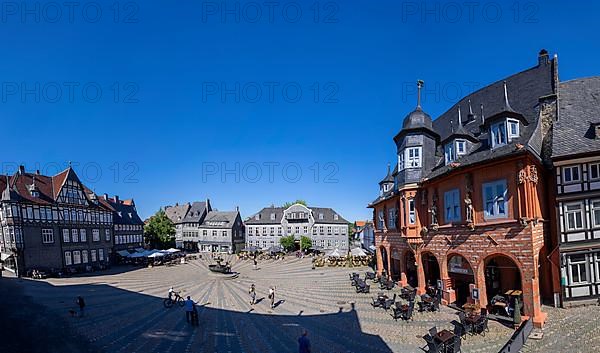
(125, 313)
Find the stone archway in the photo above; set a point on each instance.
(383, 254)
(461, 277)
(503, 284)
(411, 269)
(431, 269)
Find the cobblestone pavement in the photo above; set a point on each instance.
(574, 330)
(124, 311)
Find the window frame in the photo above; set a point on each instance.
(452, 199)
(409, 161)
(571, 168)
(568, 212)
(509, 134)
(495, 130)
(48, 235)
(578, 264)
(597, 167)
(412, 215)
(496, 209)
(68, 259)
(593, 209)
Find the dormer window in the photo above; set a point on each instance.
(320, 216)
(503, 132)
(498, 134)
(35, 193)
(257, 217)
(454, 149)
(513, 128)
(272, 216)
(336, 217)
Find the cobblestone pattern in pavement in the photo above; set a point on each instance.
(573, 330)
(124, 311)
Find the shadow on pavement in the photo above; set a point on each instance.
(118, 320)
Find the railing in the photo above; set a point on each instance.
(518, 339)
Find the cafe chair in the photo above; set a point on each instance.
(387, 303)
(455, 346)
(408, 314)
(481, 326)
(432, 346)
(463, 320)
(396, 312)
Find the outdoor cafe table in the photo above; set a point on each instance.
(445, 337)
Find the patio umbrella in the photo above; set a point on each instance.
(358, 252)
(156, 254)
(172, 250)
(334, 253)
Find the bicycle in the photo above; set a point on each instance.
(168, 302)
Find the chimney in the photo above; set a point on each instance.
(21, 169)
(543, 58)
(105, 196)
(237, 208)
(37, 172)
(117, 199)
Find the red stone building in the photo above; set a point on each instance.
(465, 206)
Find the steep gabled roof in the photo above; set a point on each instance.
(579, 112)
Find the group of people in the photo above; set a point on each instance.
(252, 293)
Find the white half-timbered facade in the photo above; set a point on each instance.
(576, 160)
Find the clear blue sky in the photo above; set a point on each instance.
(168, 63)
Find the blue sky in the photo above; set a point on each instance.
(252, 105)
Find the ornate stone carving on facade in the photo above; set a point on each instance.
(533, 175)
(434, 211)
(522, 175)
(469, 201)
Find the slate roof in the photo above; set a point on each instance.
(128, 213)
(265, 216)
(524, 92)
(579, 109)
(48, 187)
(195, 213)
(228, 217)
(177, 213)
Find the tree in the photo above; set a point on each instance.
(288, 204)
(160, 231)
(351, 233)
(287, 243)
(305, 243)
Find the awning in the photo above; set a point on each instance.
(139, 249)
(123, 253)
(172, 250)
(156, 254)
(5, 256)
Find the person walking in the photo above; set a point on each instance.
(81, 304)
(195, 321)
(189, 308)
(252, 294)
(272, 297)
(255, 263)
(304, 343)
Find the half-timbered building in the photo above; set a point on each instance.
(576, 158)
(52, 222)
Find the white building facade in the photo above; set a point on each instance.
(325, 227)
